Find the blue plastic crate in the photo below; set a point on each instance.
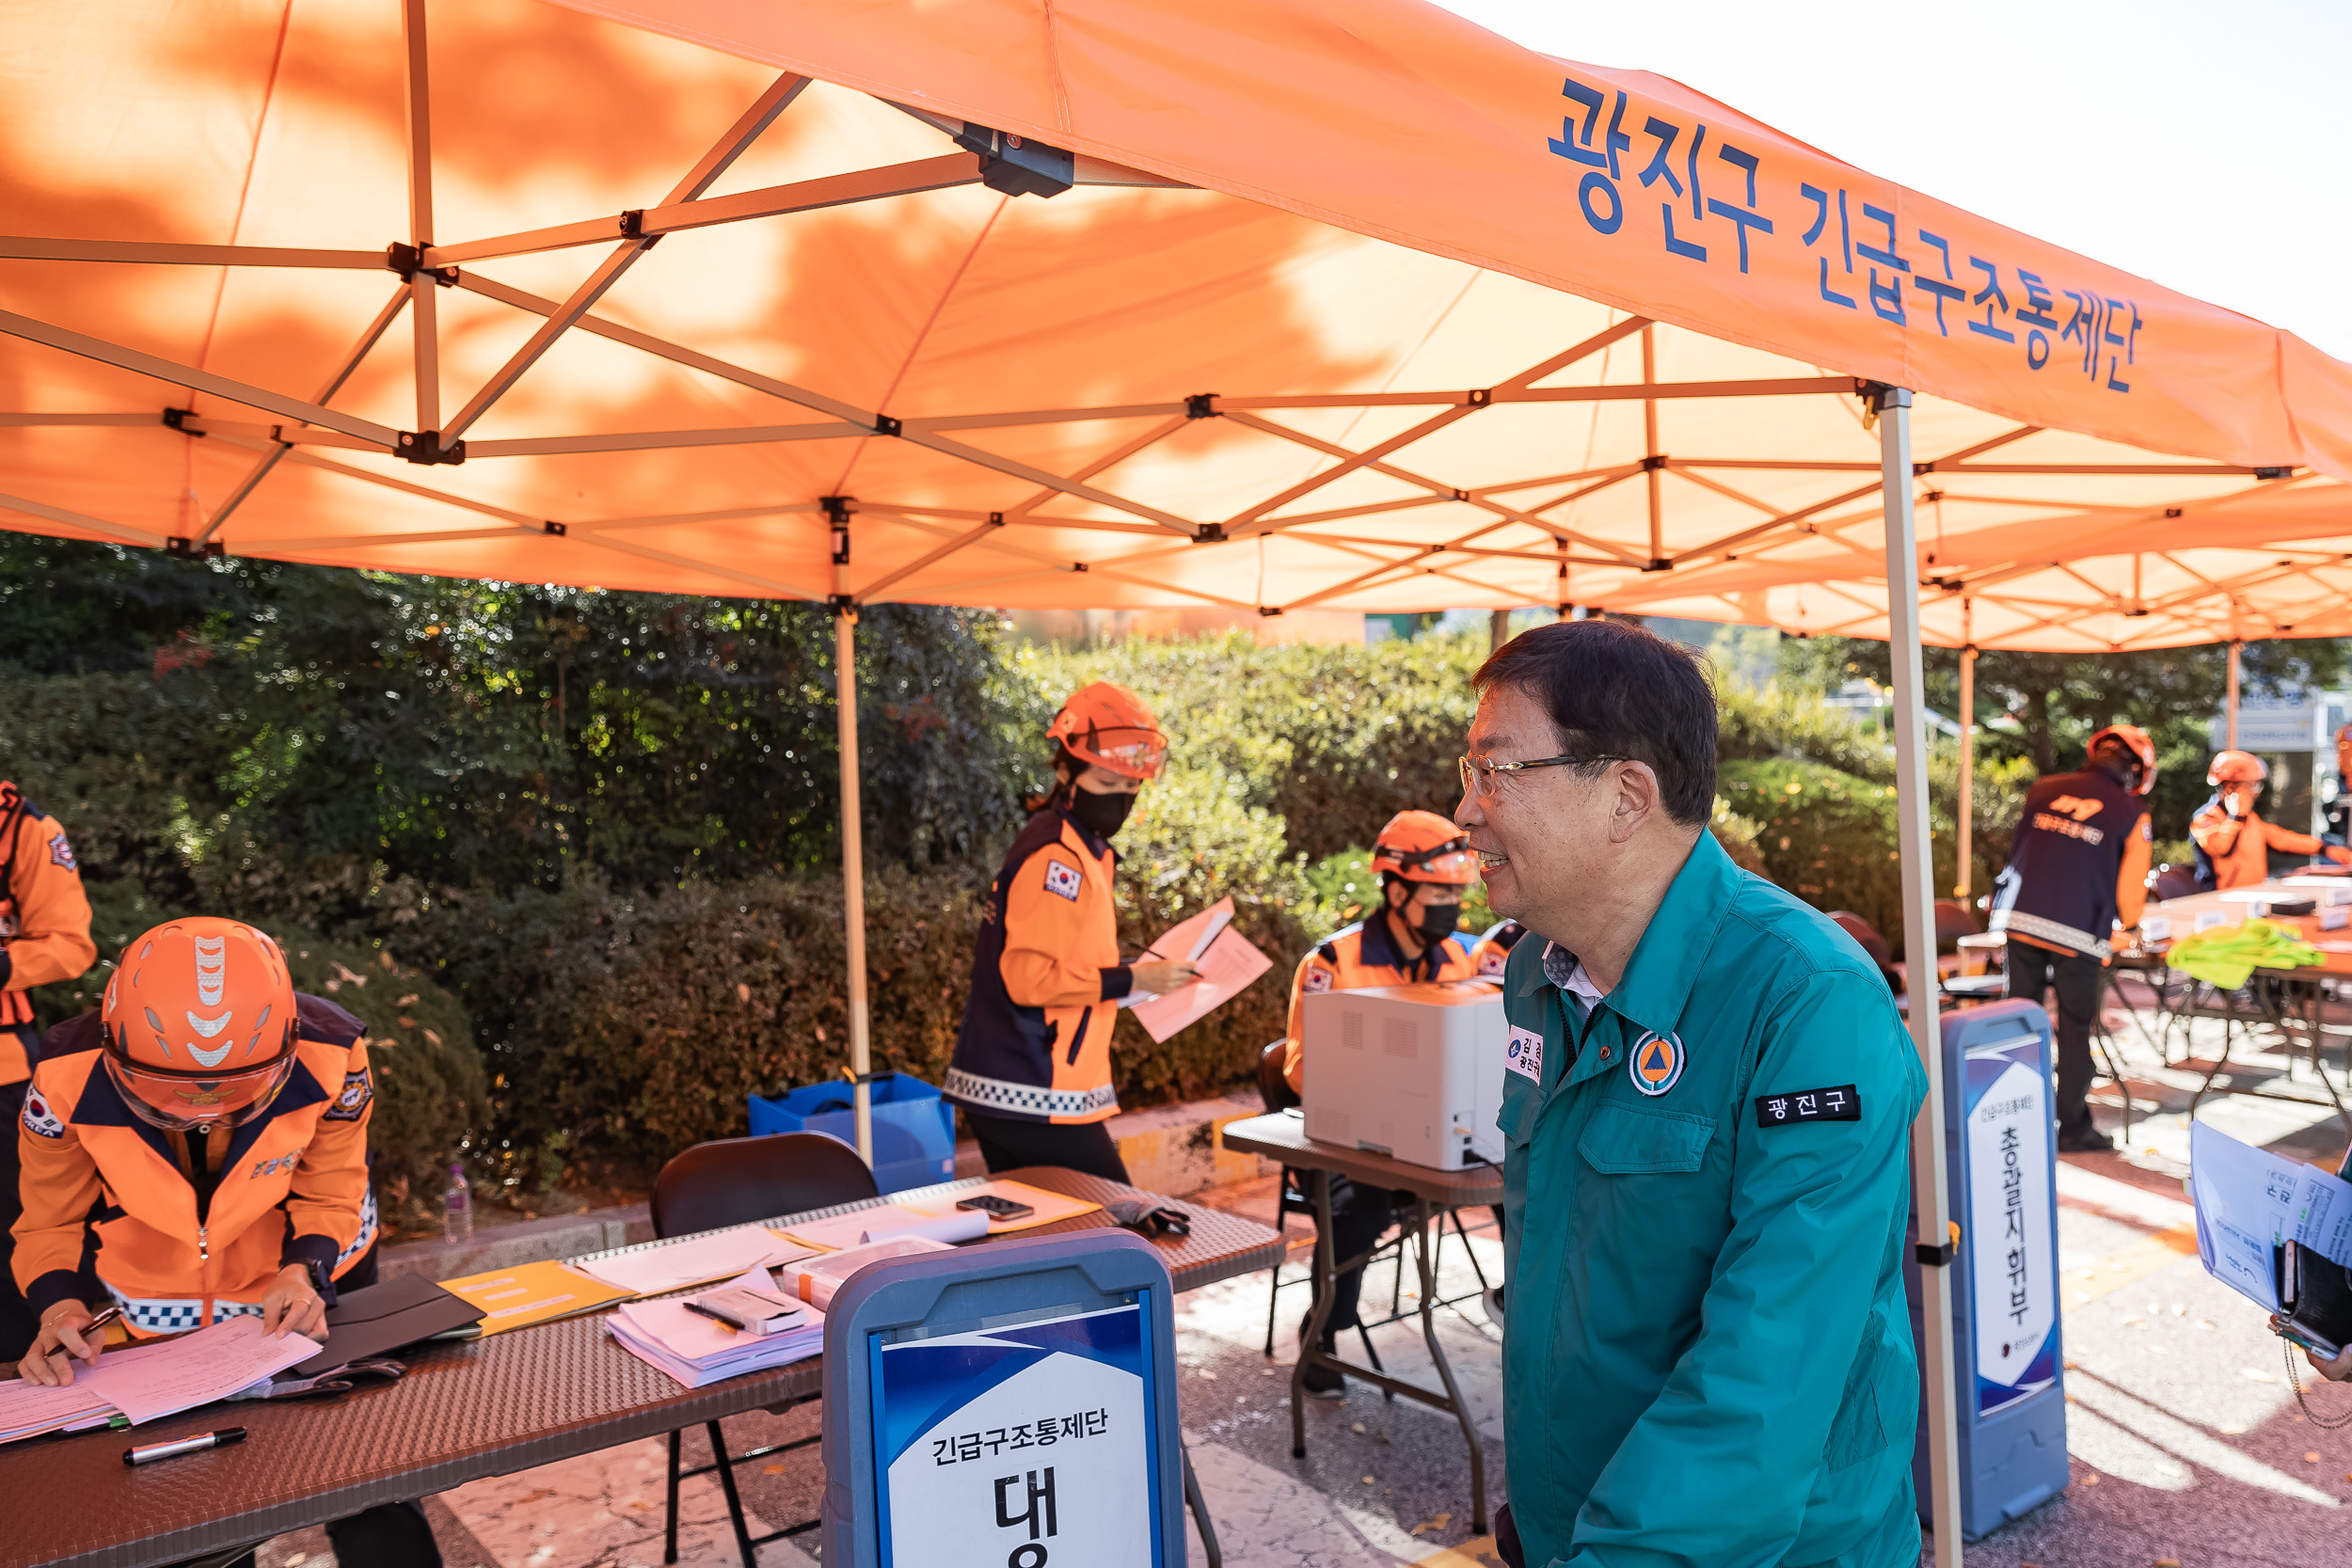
(914, 1131)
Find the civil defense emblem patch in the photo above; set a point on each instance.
(1655, 1064)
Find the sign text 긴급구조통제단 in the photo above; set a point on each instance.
(1710, 213)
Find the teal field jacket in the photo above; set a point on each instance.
(1708, 1360)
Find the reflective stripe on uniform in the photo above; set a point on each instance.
(2020, 924)
(995, 1094)
(177, 1316)
(367, 1232)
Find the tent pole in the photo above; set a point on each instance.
(1932, 1198)
(2230, 713)
(421, 305)
(1964, 817)
(1498, 629)
(854, 867)
(1650, 449)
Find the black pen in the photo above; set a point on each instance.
(197, 1444)
(720, 1318)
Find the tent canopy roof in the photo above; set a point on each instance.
(1350, 305)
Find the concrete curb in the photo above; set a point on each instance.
(503, 1246)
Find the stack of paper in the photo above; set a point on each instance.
(2250, 1202)
(816, 1279)
(143, 1382)
(696, 1351)
(721, 1254)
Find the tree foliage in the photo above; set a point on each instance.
(2043, 707)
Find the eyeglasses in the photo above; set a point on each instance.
(1478, 773)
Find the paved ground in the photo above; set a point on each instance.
(2187, 1443)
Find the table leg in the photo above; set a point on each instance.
(2319, 1062)
(1311, 1340)
(2215, 1071)
(1445, 1370)
(735, 1501)
(669, 1539)
(1200, 1506)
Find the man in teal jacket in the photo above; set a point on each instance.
(1709, 1360)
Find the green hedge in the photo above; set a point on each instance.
(619, 1021)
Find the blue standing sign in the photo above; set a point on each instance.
(1010, 1406)
(2000, 1162)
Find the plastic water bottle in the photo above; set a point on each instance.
(458, 1208)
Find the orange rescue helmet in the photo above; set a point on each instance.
(2238, 767)
(1423, 846)
(1109, 726)
(200, 1025)
(2134, 739)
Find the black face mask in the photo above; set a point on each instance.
(1438, 921)
(1101, 814)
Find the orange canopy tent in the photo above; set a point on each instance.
(1292, 304)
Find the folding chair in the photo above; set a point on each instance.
(736, 1181)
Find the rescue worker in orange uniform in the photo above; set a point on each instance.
(1424, 863)
(2234, 845)
(1032, 1063)
(44, 937)
(197, 1150)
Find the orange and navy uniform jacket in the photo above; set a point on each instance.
(2077, 865)
(1366, 953)
(1046, 982)
(44, 922)
(2234, 851)
(109, 1196)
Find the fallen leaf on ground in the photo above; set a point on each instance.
(1357, 1428)
(2090, 1481)
(534, 1497)
(2311, 1459)
(775, 1469)
(1368, 1480)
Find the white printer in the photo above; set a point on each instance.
(1410, 1071)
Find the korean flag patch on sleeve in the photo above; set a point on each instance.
(1062, 879)
(1525, 1055)
(40, 1119)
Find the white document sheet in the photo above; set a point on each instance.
(721, 1254)
(2322, 1214)
(1228, 963)
(196, 1369)
(2248, 1202)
